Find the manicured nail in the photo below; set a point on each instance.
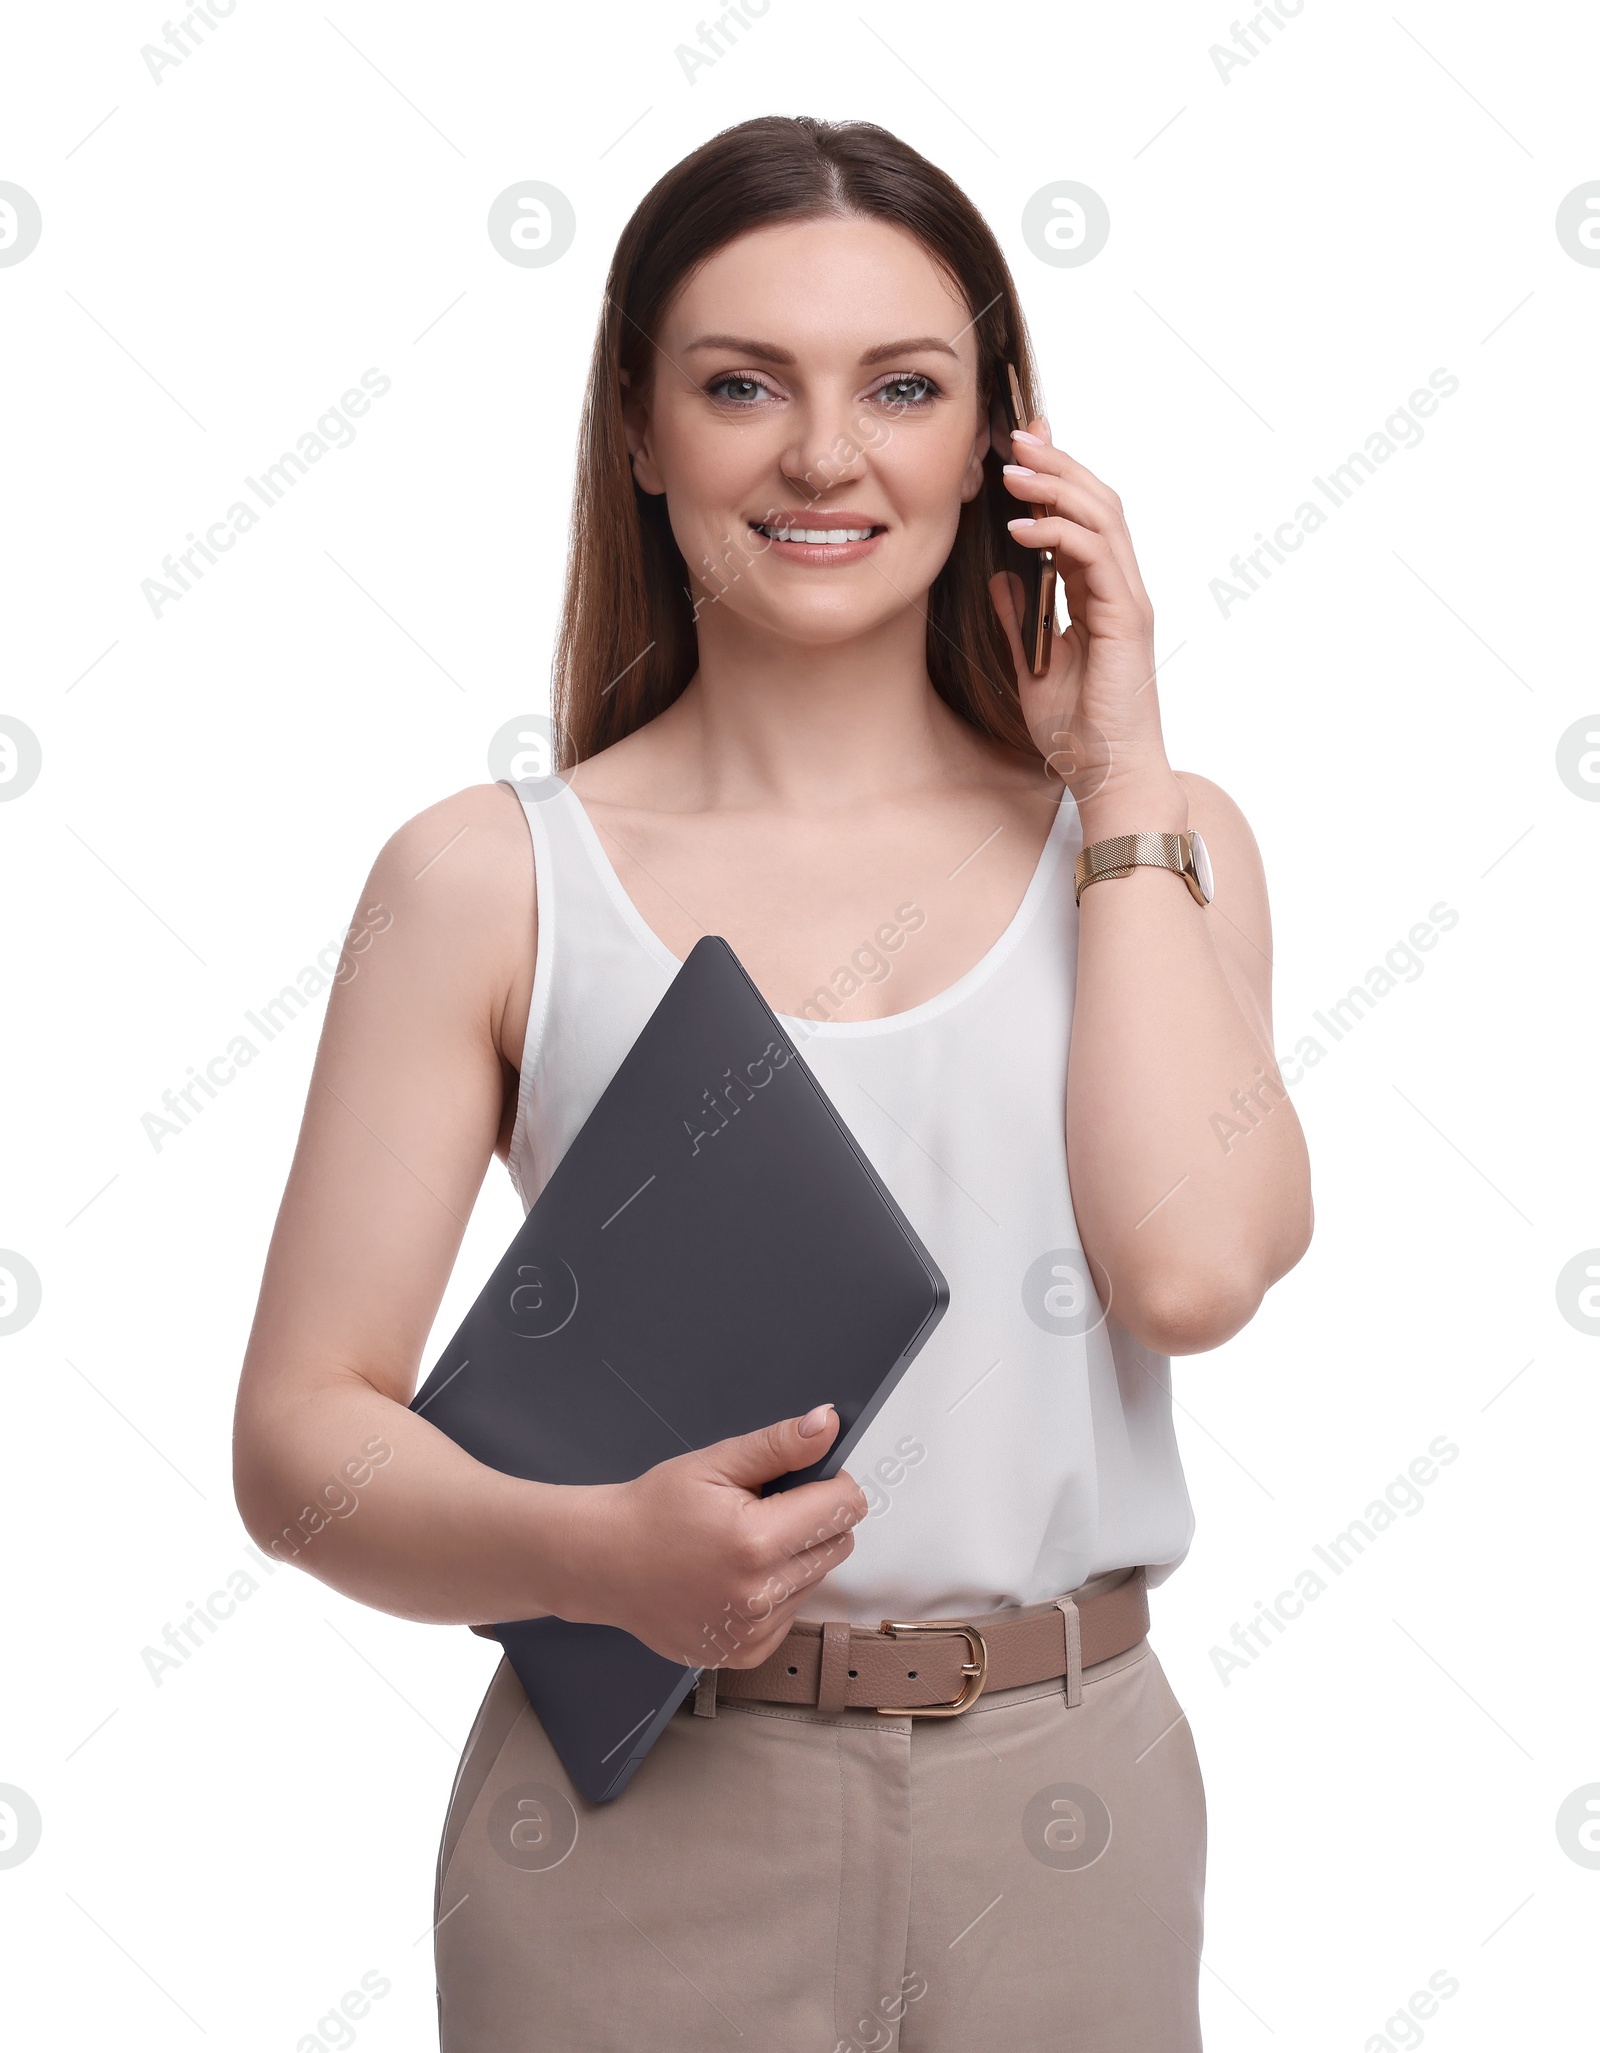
(1018, 470)
(1022, 435)
(815, 1421)
(1024, 522)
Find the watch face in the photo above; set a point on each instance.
(1202, 864)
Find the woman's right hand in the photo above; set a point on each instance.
(691, 1558)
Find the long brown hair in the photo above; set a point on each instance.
(627, 644)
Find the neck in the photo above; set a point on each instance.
(807, 727)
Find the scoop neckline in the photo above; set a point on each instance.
(846, 1029)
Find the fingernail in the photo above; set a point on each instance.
(1018, 470)
(814, 1421)
(1022, 435)
(1024, 522)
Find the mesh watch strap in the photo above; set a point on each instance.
(1120, 853)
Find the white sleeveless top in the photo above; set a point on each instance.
(1029, 1446)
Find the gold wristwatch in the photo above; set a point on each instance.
(1120, 853)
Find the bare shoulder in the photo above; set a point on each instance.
(457, 880)
(472, 838)
(1240, 909)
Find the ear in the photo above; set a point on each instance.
(636, 427)
(972, 476)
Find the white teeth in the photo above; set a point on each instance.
(826, 535)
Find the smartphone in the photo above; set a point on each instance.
(1035, 567)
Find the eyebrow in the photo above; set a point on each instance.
(769, 352)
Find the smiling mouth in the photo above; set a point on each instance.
(830, 536)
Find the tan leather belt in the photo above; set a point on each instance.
(939, 1667)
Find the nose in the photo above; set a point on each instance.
(828, 444)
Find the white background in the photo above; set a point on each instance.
(1292, 252)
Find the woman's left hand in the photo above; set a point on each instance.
(1093, 714)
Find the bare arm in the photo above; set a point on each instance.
(400, 1122)
(1186, 1222)
(331, 1470)
(1190, 1177)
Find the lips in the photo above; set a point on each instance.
(819, 538)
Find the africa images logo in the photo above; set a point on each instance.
(772, 1058)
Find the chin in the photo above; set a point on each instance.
(822, 625)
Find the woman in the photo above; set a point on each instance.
(831, 752)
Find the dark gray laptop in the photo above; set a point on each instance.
(712, 1253)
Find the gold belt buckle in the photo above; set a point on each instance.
(976, 1669)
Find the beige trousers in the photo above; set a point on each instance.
(1026, 1875)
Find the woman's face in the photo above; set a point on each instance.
(816, 377)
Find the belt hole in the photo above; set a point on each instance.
(794, 1671)
(852, 1671)
(911, 1675)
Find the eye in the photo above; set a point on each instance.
(907, 389)
(736, 388)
